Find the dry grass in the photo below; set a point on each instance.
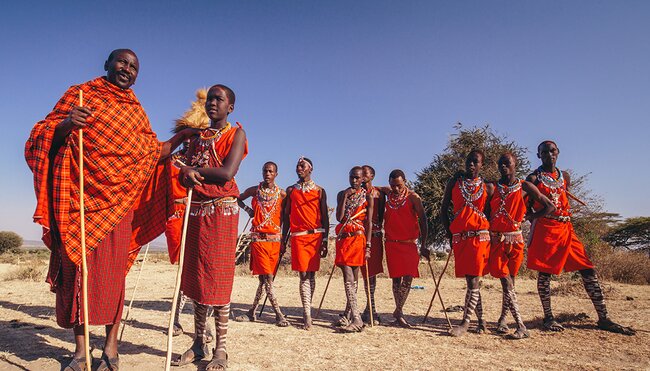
(30, 270)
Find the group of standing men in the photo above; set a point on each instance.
(127, 204)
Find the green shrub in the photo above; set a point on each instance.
(9, 241)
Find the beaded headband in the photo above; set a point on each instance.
(302, 160)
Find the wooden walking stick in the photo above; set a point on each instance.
(84, 266)
(372, 320)
(239, 240)
(437, 285)
(135, 289)
(433, 276)
(275, 273)
(334, 265)
(179, 273)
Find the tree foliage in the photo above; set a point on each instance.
(9, 241)
(431, 181)
(631, 234)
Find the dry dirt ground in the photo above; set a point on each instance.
(31, 340)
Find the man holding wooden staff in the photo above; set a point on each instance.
(124, 205)
(553, 245)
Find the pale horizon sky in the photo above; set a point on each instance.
(347, 83)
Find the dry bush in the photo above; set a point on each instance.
(29, 270)
(624, 266)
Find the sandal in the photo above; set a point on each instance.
(247, 317)
(502, 327)
(281, 322)
(189, 356)
(109, 364)
(481, 327)
(351, 328)
(520, 333)
(217, 363)
(178, 330)
(77, 364)
(611, 326)
(550, 324)
(343, 321)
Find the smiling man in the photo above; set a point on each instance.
(123, 210)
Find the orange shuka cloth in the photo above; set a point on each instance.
(266, 222)
(508, 211)
(351, 251)
(402, 230)
(174, 225)
(553, 245)
(376, 260)
(471, 253)
(121, 154)
(305, 215)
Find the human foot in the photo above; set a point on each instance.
(611, 326)
(459, 330)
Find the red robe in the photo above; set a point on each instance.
(471, 240)
(209, 263)
(351, 236)
(553, 245)
(305, 214)
(402, 231)
(376, 261)
(508, 211)
(266, 233)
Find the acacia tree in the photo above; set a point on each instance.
(431, 181)
(9, 241)
(632, 234)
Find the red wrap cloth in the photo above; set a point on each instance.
(351, 250)
(121, 174)
(305, 215)
(553, 245)
(174, 226)
(471, 253)
(209, 262)
(402, 231)
(508, 211)
(266, 223)
(376, 261)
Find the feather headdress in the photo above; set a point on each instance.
(195, 117)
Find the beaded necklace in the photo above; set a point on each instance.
(268, 201)
(397, 200)
(555, 186)
(205, 144)
(471, 190)
(504, 192)
(306, 186)
(353, 202)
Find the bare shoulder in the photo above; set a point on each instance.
(532, 178)
(414, 196)
(283, 193)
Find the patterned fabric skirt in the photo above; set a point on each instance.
(209, 262)
(106, 281)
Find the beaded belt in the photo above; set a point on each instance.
(508, 237)
(341, 236)
(483, 235)
(310, 231)
(415, 240)
(265, 237)
(227, 204)
(559, 218)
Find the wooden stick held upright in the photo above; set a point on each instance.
(84, 266)
(135, 289)
(179, 273)
(433, 276)
(437, 287)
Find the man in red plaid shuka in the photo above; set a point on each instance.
(126, 203)
(213, 159)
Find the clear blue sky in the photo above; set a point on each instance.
(352, 82)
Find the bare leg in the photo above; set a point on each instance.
(592, 286)
(250, 314)
(305, 297)
(544, 291)
(471, 301)
(80, 346)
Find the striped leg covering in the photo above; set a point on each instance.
(312, 286)
(479, 308)
(268, 284)
(305, 297)
(200, 316)
(221, 321)
(514, 307)
(258, 296)
(592, 286)
(351, 295)
(471, 300)
(373, 286)
(544, 291)
(505, 305)
(210, 330)
(404, 290)
(396, 292)
(182, 299)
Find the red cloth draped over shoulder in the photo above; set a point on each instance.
(305, 215)
(174, 226)
(121, 155)
(351, 251)
(508, 211)
(472, 253)
(267, 220)
(402, 230)
(376, 260)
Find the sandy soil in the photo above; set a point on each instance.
(31, 340)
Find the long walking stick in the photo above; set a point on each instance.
(433, 276)
(84, 266)
(135, 289)
(179, 272)
(437, 285)
(239, 240)
(372, 320)
(334, 265)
